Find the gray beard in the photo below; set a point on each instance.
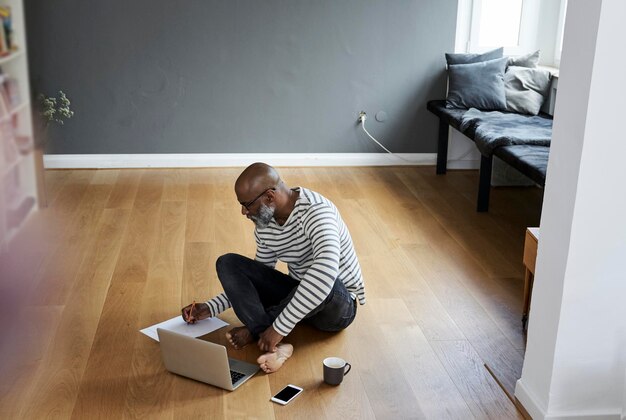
(263, 219)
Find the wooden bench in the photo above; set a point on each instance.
(530, 160)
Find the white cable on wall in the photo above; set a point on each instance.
(362, 118)
(377, 142)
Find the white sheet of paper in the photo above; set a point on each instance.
(177, 324)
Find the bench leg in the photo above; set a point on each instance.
(484, 183)
(442, 148)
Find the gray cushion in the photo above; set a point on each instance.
(477, 85)
(526, 89)
(528, 60)
(456, 58)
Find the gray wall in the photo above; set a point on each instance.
(228, 76)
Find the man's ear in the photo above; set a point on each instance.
(271, 196)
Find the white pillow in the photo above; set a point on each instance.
(528, 60)
(525, 89)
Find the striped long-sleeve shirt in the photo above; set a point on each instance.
(317, 247)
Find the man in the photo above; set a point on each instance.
(305, 230)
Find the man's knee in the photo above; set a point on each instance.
(336, 312)
(226, 263)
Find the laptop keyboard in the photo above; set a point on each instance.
(235, 376)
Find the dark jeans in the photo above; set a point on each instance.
(258, 294)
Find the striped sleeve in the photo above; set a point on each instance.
(320, 226)
(263, 253)
(218, 304)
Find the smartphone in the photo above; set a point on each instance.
(287, 394)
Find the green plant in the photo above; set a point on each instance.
(53, 110)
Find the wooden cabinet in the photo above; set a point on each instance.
(18, 181)
(530, 259)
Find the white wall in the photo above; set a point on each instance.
(547, 27)
(576, 351)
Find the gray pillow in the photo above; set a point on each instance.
(477, 85)
(528, 60)
(456, 58)
(526, 89)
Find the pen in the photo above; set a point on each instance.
(193, 304)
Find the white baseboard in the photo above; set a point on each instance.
(529, 401)
(612, 415)
(537, 412)
(193, 160)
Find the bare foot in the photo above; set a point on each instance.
(239, 337)
(272, 361)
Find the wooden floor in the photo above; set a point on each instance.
(119, 250)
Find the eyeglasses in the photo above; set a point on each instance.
(251, 202)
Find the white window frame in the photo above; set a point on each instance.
(559, 34)
(527, 35)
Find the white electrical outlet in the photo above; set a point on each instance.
(362, 117)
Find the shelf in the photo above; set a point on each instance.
(19, 190)
(12, 165)
(18, 209)
(28, 208)
(19, 108)
(11, 56)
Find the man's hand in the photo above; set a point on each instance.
(268, 339)
(200, 311)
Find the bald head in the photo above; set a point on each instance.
(263, 195)
(256, 178)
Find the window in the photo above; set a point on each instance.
(520, 26)
(499, 23)
(559, 36)
(502, 23)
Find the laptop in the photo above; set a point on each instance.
(203, 361)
